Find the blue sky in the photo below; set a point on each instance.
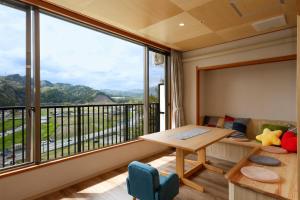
(73, 54)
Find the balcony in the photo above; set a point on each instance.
(70, 130)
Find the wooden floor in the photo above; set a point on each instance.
(112, 185)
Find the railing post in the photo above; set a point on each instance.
(79, 129)
(126, 123)
(157, 117)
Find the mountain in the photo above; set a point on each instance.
(12, 92)
(131, 93)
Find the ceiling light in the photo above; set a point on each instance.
(181, 24)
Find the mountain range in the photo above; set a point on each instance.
(12, 92)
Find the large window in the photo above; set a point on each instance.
(85, 89)
(14, 88)
(98, 79)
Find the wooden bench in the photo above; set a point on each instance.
(241, 187)
(228, 149)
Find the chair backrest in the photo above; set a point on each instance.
(143, 180)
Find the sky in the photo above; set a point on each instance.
(74, 54)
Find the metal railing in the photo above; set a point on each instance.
(68, 130)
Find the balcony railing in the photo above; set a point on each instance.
(68, 130)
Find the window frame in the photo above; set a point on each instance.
(33, 69)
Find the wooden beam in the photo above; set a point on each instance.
(193, 170)
(72, 15)
(192, 184)
(250, 62)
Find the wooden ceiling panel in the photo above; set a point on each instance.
(217, 15)
(189, 4)
(289, 8)
(132, 14)
(76, 5)
(207, 22)
(256, 8)
(199, 42)
(234, 33)
(135, 14)
(169, 30)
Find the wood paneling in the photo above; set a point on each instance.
(233, 33)
(200, 41)
(133, 14)
(208, 22)
(169, 31)
(236, 193)
(73, 15)
(228, 151)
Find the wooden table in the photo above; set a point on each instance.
(195, 144)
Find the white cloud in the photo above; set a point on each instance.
(73, 54)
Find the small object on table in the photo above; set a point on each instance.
(264, 160)
(273, 149)
(260, 174)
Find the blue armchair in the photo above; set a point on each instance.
(144, 183)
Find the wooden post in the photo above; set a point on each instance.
(298, 93)
(198, 96)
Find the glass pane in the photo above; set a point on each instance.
(156, 91)
(91, 89)
(12, 86)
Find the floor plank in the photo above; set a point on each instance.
(112, 185)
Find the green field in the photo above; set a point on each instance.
(62, 129)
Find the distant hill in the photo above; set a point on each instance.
(12, 92)
(131, 93)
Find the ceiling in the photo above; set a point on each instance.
(206, 22)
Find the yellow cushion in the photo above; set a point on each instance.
(269, 137)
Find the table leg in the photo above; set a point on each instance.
(202, 159)
(179, 162)
(202, 155)
(184, 176)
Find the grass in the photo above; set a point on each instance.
(8, 124)
(59, 129)
(112, 140)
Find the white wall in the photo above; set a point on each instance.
(263, 46)
(265, 91)
(39, 181)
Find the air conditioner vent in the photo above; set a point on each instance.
(273, 22)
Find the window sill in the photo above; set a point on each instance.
(29, 167)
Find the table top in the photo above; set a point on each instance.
(285, 189)
(192, 144)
